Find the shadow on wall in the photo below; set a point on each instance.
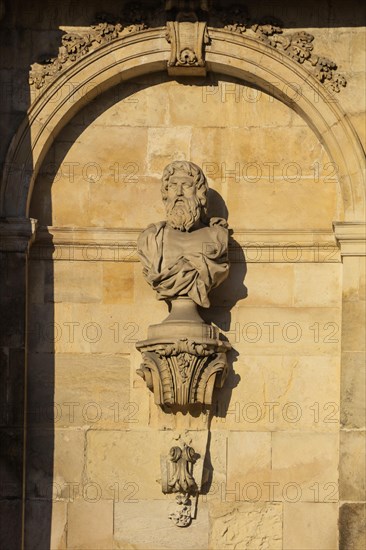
(19, 48)
(42, 334)
(223, 299)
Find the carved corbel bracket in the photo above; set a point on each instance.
(183, 372)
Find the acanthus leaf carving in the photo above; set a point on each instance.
(183, 376)
(188, 35)
(298, 45)
(74, 45)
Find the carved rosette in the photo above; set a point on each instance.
(182, 371)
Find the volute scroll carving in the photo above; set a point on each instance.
(182, 475)
(187, 37)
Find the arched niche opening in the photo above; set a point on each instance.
(259, 155)
(284, 169)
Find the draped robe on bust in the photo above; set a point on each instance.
(193, 274)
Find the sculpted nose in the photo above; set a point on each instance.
(179, 189)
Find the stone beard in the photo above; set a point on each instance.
(186, 255)
(182, 213)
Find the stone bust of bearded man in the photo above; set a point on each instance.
(186, 255)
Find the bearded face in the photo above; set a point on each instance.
(183, 207)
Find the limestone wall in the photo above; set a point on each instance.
(286, 433)
(274, 444)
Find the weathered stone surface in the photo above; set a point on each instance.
(353, 334)
(236, 154)
(90, 525)
(352, 465)
(353, 279)
(85, 328)
(245, 525)
(300, 460)
(286, 331)
(49, 472)
(277, 393)
(249, 463)
(158, 531)
(78, 390)
(248, 194)
(10, 524)
(352, 526)
(59, 525)
(118, 461)
(353, 381)
(11, 446)
(166, 145)
(238, 105)
(257, 112)
(317, 285)
(118, 282)
(63, 285)
(259, 281)
(310, 526)
(103, 170)
(12, 377)
(129, 104)
(355, 88)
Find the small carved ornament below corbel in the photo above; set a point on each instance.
(177, 477)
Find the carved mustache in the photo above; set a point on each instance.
(182, 200)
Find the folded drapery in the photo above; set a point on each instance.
(193, 274)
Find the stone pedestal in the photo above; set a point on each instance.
(183, 357)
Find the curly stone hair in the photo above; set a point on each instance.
(192, 170)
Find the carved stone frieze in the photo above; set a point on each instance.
(298, 45)
(76, 44)
(187, 31)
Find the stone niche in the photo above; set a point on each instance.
(98, 189)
